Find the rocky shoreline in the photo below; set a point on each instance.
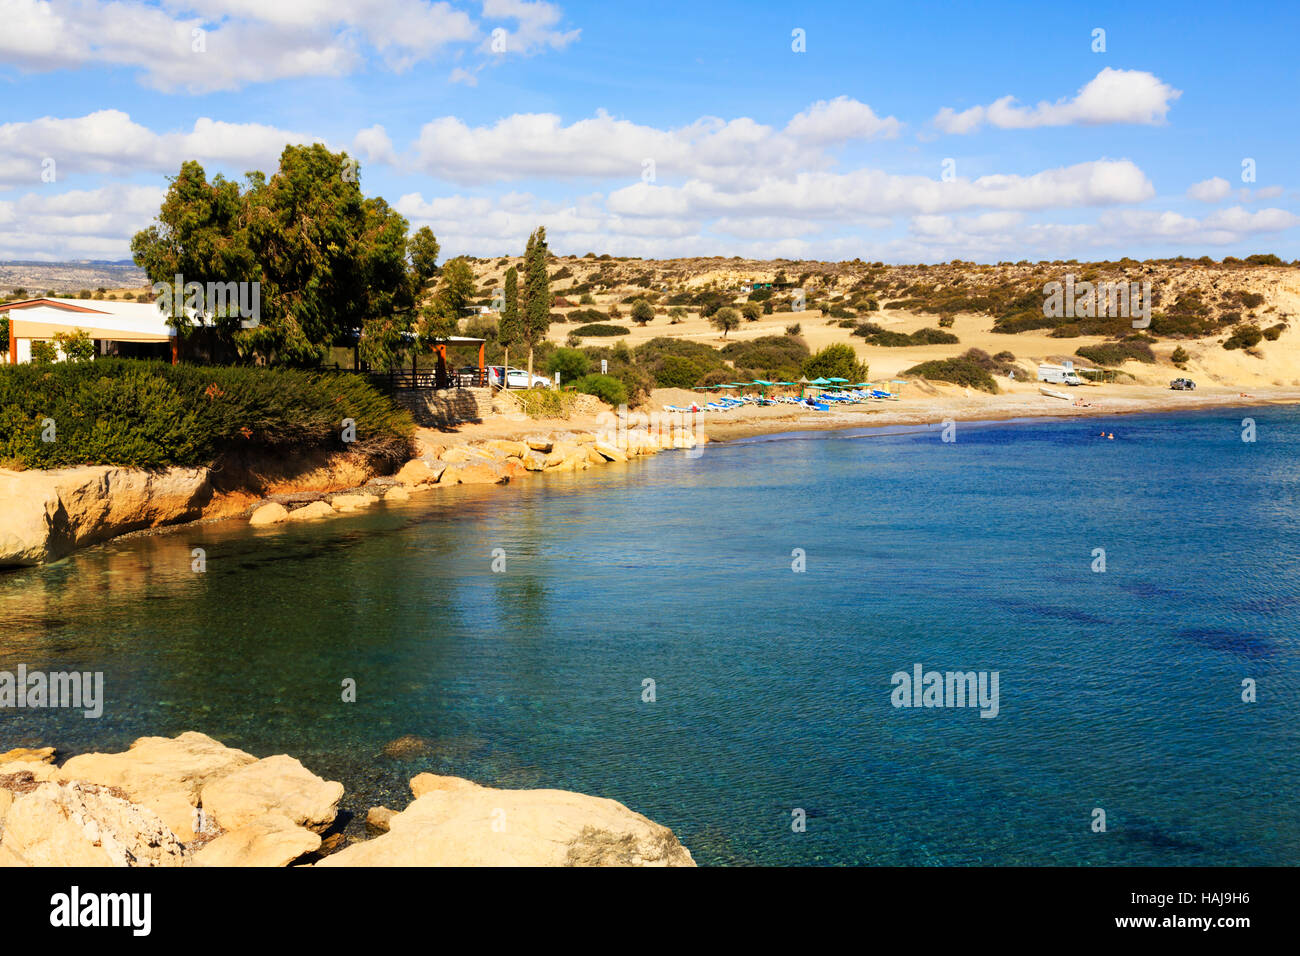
(50, 514)
(486, 462)
(192, 801)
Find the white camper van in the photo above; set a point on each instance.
(1060, 374)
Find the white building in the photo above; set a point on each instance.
(130, 328)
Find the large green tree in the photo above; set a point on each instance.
(510, 328)
(328, 260)
(536, 306)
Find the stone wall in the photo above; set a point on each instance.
(437, 409)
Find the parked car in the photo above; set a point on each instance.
(1182, 385)
(518, 378)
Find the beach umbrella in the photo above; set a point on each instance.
(845, 380)
(820, 381)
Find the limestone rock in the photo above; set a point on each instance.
(33, 754)
(508, 449)
(81, 824)
(159, 765)
(379, 818)
(534, 461)
(457, 453)
(457, 823)
(420, 471)
(397, 493)
(270, 513)
(269, 840)
(473, 473)
(317, 509)
(176, 810)
(609, 452)
(346, 503)
(539, 443)
(278, 784)
(48, 514)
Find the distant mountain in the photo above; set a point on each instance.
(69, 277)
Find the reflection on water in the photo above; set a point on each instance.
(1119, 690)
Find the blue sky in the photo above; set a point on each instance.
(902, 132)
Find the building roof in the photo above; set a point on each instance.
(102, 319)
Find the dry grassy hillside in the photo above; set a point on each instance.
(1197, 306)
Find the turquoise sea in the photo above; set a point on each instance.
(1119, 690)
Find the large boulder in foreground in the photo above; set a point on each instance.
(278, 784)
(81, 824)
(270, 840)
(160, 765)
(48, 514)
(455, 822)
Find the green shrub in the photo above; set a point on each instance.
(44, 353)
(148, 414)
(1274, 332)
(1111, 354)
(960, 371)
(544, 402)
(1244, 337)
(836, 361)
(1179, 356)
(600, 329)
(608, 389)
(570, 363)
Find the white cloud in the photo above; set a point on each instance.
(206, 45)
(110, 142)
(867, 192)
(1214, 189)
(840, 120)
(78, 224)
(1112, 96)
(536, 26)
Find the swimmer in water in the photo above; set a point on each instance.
(1110, 437)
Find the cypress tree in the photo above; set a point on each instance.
(537, 295)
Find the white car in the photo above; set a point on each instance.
(518, 378)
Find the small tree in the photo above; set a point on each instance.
(457, 286)
(44, 353)
(76, 346)
(642, 312)
(725, 319)
(836, 361)
(422, 251)
(510, 328)
(751, 311)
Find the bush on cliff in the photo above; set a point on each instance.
(608, 389)
(148, 414)
(962, 370)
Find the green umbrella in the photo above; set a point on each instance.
(837, 380)
(820, 381)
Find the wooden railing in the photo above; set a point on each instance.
(405, 379)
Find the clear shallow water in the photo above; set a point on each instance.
(1118, 690)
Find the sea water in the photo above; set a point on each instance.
(713, 641)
